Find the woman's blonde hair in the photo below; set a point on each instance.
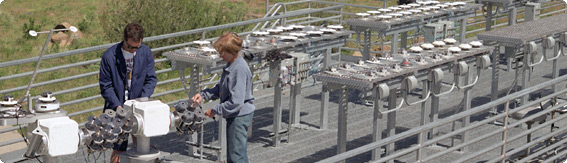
(228, 42)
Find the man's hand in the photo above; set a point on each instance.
(118, 107)
(209, 113)
(197, 98)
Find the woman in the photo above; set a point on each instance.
(235, 93)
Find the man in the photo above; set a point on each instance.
(126, 72)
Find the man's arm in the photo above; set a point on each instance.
(151, 78)
(106, 86)
(211, 93)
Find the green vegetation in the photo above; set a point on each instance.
(102, 21)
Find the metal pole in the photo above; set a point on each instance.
(404, 41)
(367, 43)
(391, 121)
(463, 30)
(142, 144)
(342, 121)
(49, 159)
(296, 105)
(324, 116)
(424, 113)
(434, 114)
(377, 124)
(495, 73)
(277, 103)
(512, 16)
(555, 72)
(194, 89)
(489, 17)
(394, 44)
(466, 106)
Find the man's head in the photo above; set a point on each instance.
(133, 35)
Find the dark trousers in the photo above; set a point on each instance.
(237, 137)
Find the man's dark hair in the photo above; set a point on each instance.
(134, 31)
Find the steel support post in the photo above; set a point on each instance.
(342, 121)
(489, 17)
(394, 44)
(424, 118)
(377, 124)
(277, 103)
(511, 16)
(434, 114)
(525, 78)
(295, 105)
(509, 53)
(466, 106)
(49, 159)
(462, 30)
(324, 116)
(367, 43)
(495, 73)
(194, 89)
(391, 121)
(404, 40)
(222, 153)
(555, 72)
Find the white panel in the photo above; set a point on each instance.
(62, 133)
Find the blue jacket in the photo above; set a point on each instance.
(113, 77)
(234, 90)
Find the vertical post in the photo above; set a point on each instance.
(555, 72)
(49, 159)
(489, 16)
(267, 5)
(296, 105)
(495, 73)
(277, 103)
(193, 89)
(512, 16)
(463, 30)
(509, 53)
(532, 11)
(394, 43)
(142, 144)
(434, 114)
(466, 106)
(367, 43)
(377, 124)
(404, 40)
(341, 14)
(342, 121)
(391, 122)
(420, 153)
(324, 116)
(525, 77)
(505, 133)
(222, 154)
(424, 113)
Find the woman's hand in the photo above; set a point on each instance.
(197, 98)
(209, 113)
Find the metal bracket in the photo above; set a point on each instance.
(531, 49)
(549, 43)
(436, 76)
(408, 84)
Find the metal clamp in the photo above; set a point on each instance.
(529, 49)
(408, 84)
(549, 43)
(462, 67)
(436, 76)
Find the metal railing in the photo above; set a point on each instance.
(465, 157)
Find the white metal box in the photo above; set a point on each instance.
(62, 135)
(155, 116)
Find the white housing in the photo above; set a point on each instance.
(61, 135)
(154, 116)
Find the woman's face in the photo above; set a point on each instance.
(227, 57)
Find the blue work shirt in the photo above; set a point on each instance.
(234, 90)
(113, 75)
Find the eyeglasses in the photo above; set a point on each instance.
(132, 47)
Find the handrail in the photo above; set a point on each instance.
(458, 116)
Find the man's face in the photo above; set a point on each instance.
(131, 46)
